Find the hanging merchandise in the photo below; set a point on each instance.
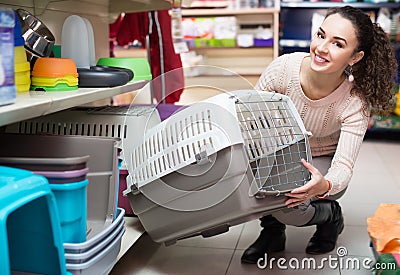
(166, 65)
(113, 29)
(180, 45)
(384, 19)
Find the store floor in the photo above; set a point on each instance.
(376, 180)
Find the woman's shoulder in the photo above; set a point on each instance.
(353, 105)
(290, 61)
(295, 56)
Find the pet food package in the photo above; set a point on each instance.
(8, 92)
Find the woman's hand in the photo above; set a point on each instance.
(316, 186)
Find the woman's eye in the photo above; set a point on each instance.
(338, 44)
(320, 35)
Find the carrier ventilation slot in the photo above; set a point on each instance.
(172, 146)
(73, 128)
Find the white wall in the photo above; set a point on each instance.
(53, 13)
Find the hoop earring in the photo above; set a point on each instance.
(349, 72)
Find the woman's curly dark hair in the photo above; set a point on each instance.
(375, 74)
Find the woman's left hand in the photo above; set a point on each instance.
(316, 186)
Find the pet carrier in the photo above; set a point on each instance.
(103, 131)
(217, 163)
(108, 121)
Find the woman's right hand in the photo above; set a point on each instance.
(317, 186)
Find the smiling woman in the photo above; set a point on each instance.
(331, 42)
(348, 73)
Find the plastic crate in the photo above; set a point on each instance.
(217, 163)
(123, 122)
(79, 258)
(123, 201)
(102, 262)
(30, 233)
(72, 205)
(64, 176)
(102, 164)
(93, 240)
(49, 164)
(84, 257)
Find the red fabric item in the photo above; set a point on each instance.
(113, 28)
(135, 26)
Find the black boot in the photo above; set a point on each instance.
(272, 239)
(329, 220)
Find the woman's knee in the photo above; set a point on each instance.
(297, 216)
(302, 214)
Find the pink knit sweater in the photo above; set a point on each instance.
(337, 122)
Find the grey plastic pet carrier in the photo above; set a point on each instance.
(217, 163)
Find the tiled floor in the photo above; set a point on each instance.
(376, 180)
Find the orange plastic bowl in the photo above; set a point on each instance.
(54, 67)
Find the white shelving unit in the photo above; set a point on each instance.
(37, 103)
(225, 66)
(244, 16)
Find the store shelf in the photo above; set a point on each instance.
(243, 61)
(37, 103)
(294, 43)
(325, 5)
(118, 6)
(226, 11)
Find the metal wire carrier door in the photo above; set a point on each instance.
(275, 141)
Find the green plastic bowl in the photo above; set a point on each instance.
(139, 66)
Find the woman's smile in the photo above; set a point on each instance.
(319, 59)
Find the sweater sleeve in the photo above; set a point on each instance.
(275, 76)
(354, 125)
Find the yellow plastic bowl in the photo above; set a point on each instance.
(20, 55)
(23, 77)
(22, 81)
(54, 81)
(22, 67)
(21, 88)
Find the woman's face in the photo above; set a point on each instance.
(333, 45)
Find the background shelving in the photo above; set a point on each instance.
(255, 16)
(232, 68)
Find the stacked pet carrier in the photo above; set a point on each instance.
(98, 134)
(217, 163)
